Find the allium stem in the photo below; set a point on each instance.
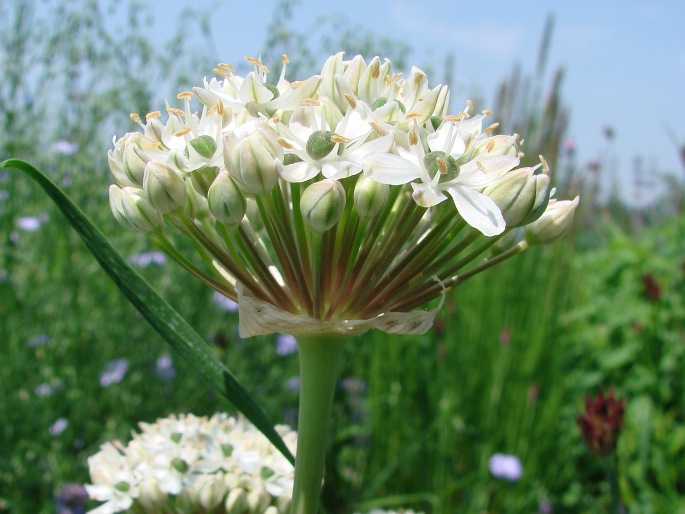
(320, 358)
(612, 479)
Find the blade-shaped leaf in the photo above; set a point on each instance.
(170, 325)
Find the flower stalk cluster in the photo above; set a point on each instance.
(350, 196)
(188, 464)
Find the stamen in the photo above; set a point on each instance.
(442, 165)
(413, 138)
(297, 83)
(135, 117)
(489, 147)
(491, 128)
(376, 69)
(545, 166)
(393, 78)
(284, 59)
(417, 79)
(226, 66)
(220, 107)
(312, 102)
(275, 119)
(487, 112)
(182, 132)
(481, 167)
(176, 111)
(339, 139)
(153, 114)
(452, 118)
(376, 128)
(284, 143)
(422, 98)
(469, 105)
(350, 100)
(212, 109)
(185, 95)
(412, 115)
(257, 63)
(222, 73)
(152, 146)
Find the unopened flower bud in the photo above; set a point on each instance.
(164, 189)
(521, 195)
(236, 502)
(187, 501)
(252, 213)
(115, 159)
(133, 210)
(258, 500)
(255, 166)
(602, 422)
(134, 165)
(322, 204)
(196, 205)
(271, 510)
(150, 496)
(369, 196)
(204, 145)
(203, 177)
(553, 223)
(225, 200)
(212, 492)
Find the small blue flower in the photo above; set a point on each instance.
(507, 467)
(224, 303)
(145, 259)
(164, 367)
(58, 426)
(285, 345)
(38, 340)
(114, 372)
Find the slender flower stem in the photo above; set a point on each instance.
(320, 358)
(612, 479)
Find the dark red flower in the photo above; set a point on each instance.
(601, 423)
(652, 290)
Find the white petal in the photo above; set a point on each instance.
(390, 169)
(294, 97)
(425, 196)
(478, 210)
(438, 141)
(298, 172)
(340, 169)
(252, 91)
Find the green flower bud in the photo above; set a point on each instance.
(236, 502)
(150, 496)
(271, 510)
(320, 144)
(255, 166)
(253, 214)
(180, 465)
(203, 177)
(369, 197)
(225, 200)
(132, 210)
(322, 204)
(553, 223)
(134, 165)
(122, 486)
(436, 121)
(196, 205)
(519, 194)
(187, 501)
(257, 501)
(212, 492)
(164, 189)
(204, 145)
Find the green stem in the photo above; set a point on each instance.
(610, 471)
(320, 358)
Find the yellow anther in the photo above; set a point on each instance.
(521, 155)
(311, 102)
(185, 95)
(220, 107)
(489, 147)
(376, 128)
(545, 166)
(463, 114)
(212, 109)
(451, 117)
(284, 59)
(350, 100)
(487, 112)
(226, 66)
(417, 79)
(182, 132)
(491, 128)
(135, 117)
(442, 165)
(275, 119)
(376, 69)
(152, 146)
(222, 73)
(257, 63)
(296, 83)
(481, 167)
(412, 115)
(393, 78)
(413, 138)
(153, 114)
(176, 111)
(469, 105)
(422, 98)
(284, 143)
(339, 139)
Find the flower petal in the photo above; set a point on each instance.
(390, 169)
(478, 210)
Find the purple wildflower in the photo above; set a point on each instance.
(64, 147)
(507, 467)
(164, 367)
(285, 345)
(224, 303)
(145, 259)
(114, 372)
(38, 340)
(58, 426)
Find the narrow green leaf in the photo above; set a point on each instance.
(170, 325)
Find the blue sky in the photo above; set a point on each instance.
(624, 61)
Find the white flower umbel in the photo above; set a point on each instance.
(185, 464)
(319, 207)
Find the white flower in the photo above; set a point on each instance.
(505, 466)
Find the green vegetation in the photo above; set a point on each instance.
(416, 418)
